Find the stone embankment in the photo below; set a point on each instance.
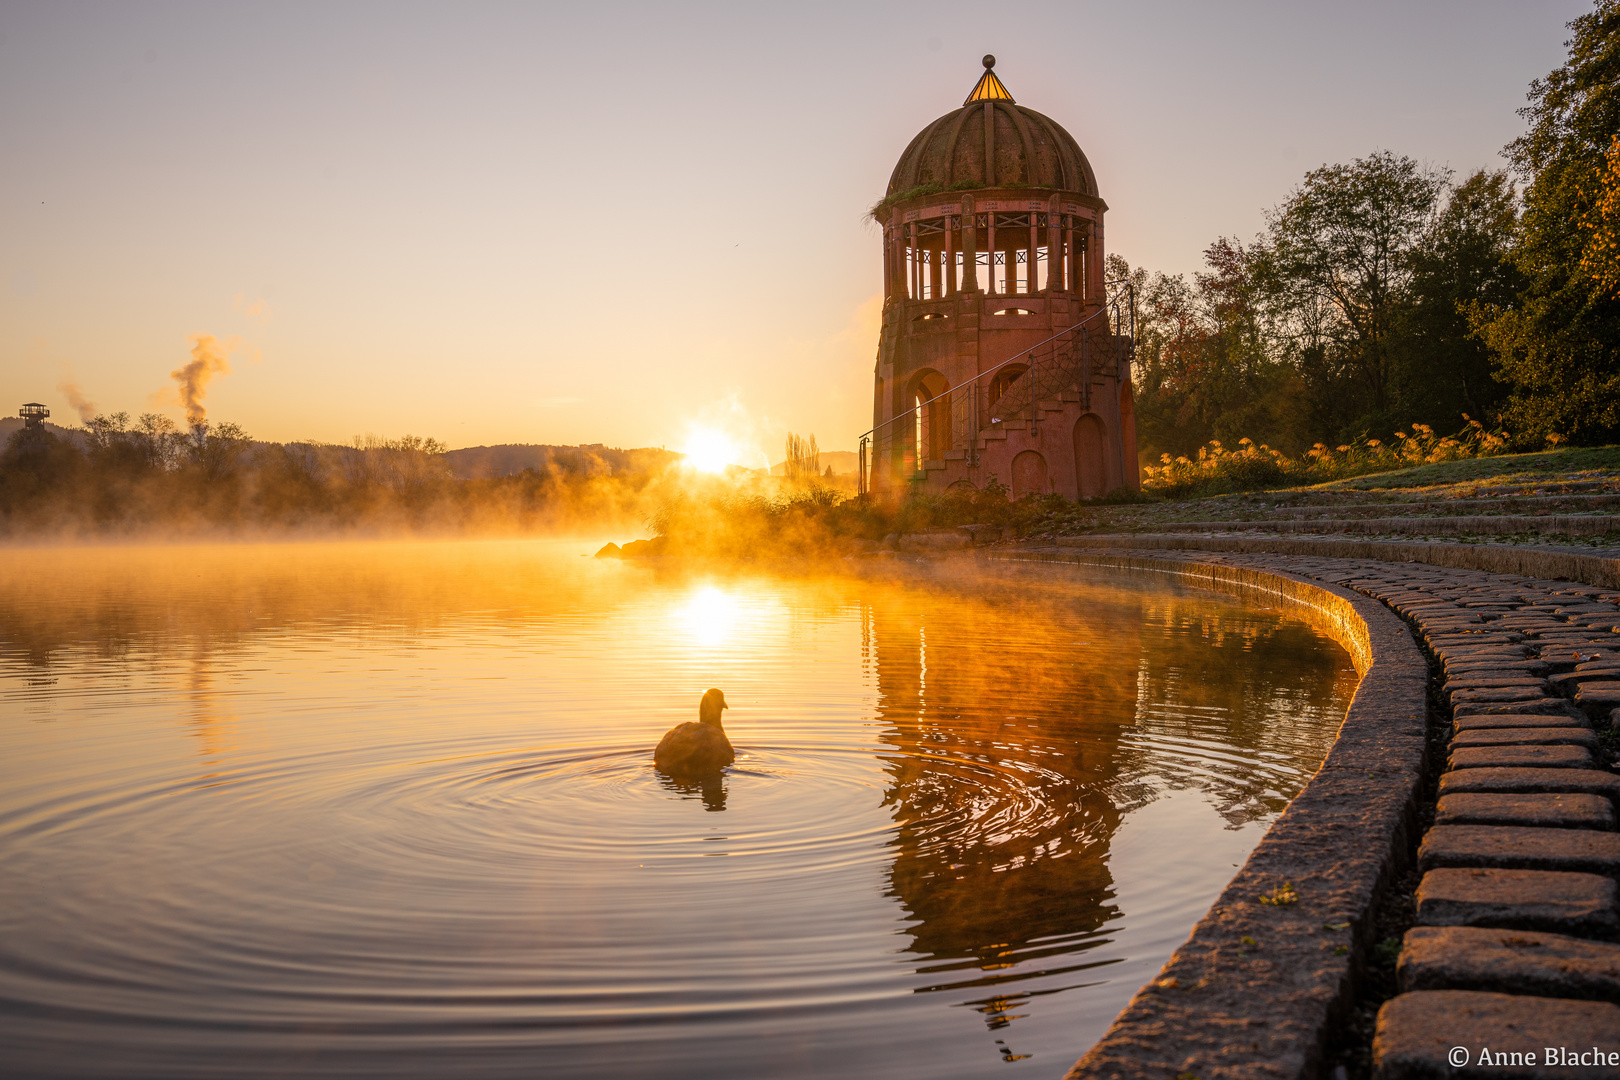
(1516, 944)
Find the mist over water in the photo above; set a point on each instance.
(389, 809)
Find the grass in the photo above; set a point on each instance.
(1564, 464)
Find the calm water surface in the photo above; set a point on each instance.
(390, 810)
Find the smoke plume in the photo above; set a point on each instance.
(69, 388)
(207, 360)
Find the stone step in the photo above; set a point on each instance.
(1465, 654)
(1416, 1034)
(1565, 682)
(1485, 682)
(1598, 698)
(1544, 706)
(1542, 757)
(1499, 693)
(1508, 962)
(1555, 811)
(1481, 723)
(1508, 847)
(1565, 903)
(1442, 640)
(1463, 669)
(1526, 736)
(1589, 781)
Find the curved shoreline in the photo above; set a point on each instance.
(1257, 984)
(1512, 899)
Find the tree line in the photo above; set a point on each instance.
(1386, 293)
(134, 476)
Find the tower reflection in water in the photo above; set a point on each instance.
(1026, 723)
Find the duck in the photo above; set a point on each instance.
(696, 748)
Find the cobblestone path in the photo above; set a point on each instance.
(1514, 949)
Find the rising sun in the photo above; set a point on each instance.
(709, 450)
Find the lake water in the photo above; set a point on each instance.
(389, 809)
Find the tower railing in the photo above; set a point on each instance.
(1071, 360)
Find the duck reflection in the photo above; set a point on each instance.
(710, 788)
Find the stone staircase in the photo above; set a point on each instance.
(1517, 942)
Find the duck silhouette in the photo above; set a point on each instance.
(693, 749)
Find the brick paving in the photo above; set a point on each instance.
(1517, 919)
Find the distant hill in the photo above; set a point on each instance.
(843, 462)
(591, 459)
(8, 424)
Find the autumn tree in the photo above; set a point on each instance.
(1557, 343)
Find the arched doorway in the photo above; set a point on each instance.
(930, 404)
(1091, 456)
(1028, 474)
(1001, 381)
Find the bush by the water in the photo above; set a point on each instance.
(821, 521)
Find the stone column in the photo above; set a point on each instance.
(1054, 249)
(970, 247)
(1033, 265)
(1094, 261)
(888, 265)
(897, 262)
(916, 263)
(950, 258)
(990, 243)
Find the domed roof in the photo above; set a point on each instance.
(992, 141)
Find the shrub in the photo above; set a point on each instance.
(1254, 467)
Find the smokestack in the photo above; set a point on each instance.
(69, 388)
(207, 360)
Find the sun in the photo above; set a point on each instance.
(709, 450)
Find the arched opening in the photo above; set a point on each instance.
(1091, 456)
(930, 417)
(1004, 378)
(1028, 474)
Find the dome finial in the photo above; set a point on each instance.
(989, 87)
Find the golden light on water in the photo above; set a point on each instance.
(710, 450)
(375, 758)
(711, 616)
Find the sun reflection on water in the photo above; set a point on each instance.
(710, 615)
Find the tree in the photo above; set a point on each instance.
(1335, 266)
(1204, 368)
(217, 450)
(1443, 369)
(803, 461)
(1558, 342)
(1602, 256)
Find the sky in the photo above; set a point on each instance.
(632, 224)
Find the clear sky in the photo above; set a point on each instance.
(614, 222)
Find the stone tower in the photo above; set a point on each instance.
(1002, 355)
